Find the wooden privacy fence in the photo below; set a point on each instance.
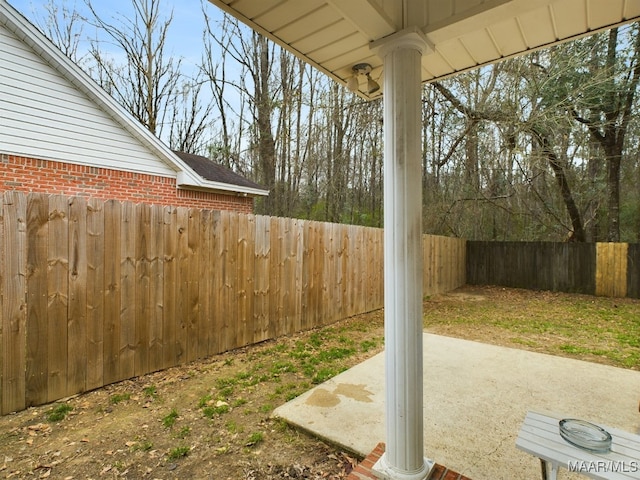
(444, 263)
(93, 292)
(607, 269)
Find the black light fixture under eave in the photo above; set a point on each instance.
(353, 83)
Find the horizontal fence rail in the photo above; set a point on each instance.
(93, 292)
(607, 269)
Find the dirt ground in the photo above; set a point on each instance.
(211, 419)
(206, 420)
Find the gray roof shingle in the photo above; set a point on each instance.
(212, 171)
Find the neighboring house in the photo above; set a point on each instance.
(61, 133)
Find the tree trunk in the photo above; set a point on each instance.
(613, 183)
(264, 110)
(577, 234)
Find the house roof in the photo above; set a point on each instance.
(186, 177)
(334, 35)
(214, 172)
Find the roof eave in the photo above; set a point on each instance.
(78, 77)
(187, 181)
(29, 34)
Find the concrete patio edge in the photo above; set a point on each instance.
(475, 399)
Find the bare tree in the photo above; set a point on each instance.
(191, 117)
(149, 79)
(63, 26)
(609, 100)
(227, 136)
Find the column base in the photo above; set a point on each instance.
(382, 470)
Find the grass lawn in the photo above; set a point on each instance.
(212, 418)
(597, 329)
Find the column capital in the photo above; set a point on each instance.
(409, 38)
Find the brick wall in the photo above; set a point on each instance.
(44, 176)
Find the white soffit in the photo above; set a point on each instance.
(334, 35)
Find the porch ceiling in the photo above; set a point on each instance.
(334, 35)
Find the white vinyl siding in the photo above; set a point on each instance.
(43, 115)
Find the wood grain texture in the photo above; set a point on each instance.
(94, 292)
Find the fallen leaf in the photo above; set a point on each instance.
(33, 430)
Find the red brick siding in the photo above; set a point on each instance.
(45, 176)
(364, 470)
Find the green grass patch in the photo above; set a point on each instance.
(282, 366)
(219, 408)
(117, 398)
(151, 391)
(335, 353)
(325, 373)
(204, 401)
(315, 339)
(238, 402)
(575, 349)
(59, 412)
(367, 345)
(254, 439)
(178, 452)
(170, 419)
(593, 328)
(144, 445)
(233, 427)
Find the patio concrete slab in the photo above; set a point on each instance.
(475, 399)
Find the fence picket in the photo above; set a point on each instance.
(297, 253)
(142, 314)
(217, 303)
(170, 286)
(115, 290)
(205, 322)
(95, 253)
(57, 295)
(277, 280)
(156, 289)
(14, 311)
(183, 276)
(77, 312)
(113, 286)
(261, 278)
(192, 278)
(126, 359)
(231, 280)
(244, 274)
(37, 328)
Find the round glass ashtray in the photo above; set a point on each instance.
(585, 435)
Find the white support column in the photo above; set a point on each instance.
(404, 455)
